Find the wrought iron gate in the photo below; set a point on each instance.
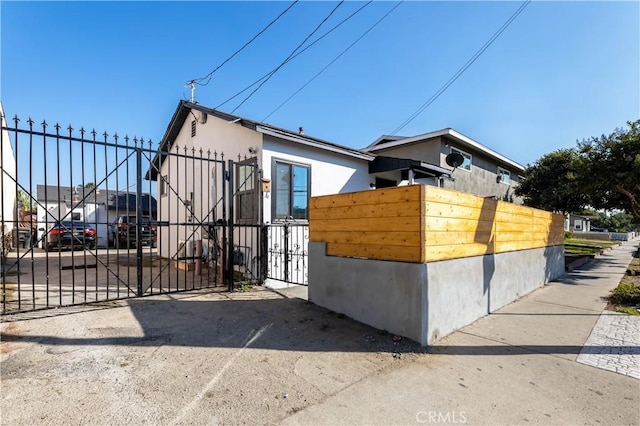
(89, 217)
(287, 245)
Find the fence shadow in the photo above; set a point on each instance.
(230, 321)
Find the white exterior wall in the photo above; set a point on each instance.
(8, 211)
(203, 178)
(331, 173)
(56, 211)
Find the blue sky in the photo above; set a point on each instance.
(562, 71)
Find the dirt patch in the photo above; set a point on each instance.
(9, 344)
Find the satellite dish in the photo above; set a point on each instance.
(454, 159)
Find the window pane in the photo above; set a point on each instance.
(300, 192)
(283, 190)
(245, 178)
(466, 163)
(246, 206)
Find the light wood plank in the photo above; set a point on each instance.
(448, 238)
(513, 227)
(359, 211)
(369, 238)
(409, 224)
(400, 194)
(447, 196)
(399, 254)
(433, 209)
(457, 225)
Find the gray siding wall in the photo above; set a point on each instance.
(480, 181)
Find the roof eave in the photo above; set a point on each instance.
(268, 130)
(453, 134)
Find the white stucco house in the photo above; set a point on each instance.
(276, 170)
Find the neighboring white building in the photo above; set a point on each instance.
(99, 208)
(8, 177)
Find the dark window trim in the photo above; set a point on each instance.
(274, 189)
(255, 216)
(463, 154)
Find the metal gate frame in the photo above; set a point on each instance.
(101, 163)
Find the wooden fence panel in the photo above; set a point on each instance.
(425, 224)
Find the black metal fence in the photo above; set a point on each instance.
(89, 217)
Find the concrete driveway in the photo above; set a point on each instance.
(189, 358)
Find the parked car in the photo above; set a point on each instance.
(123, 232)
(595, 229)
(70, 234)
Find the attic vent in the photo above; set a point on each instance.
(193, 128)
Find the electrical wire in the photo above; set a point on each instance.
(296, 55)
(288, 58)
(209, 76)
(334, 60)
(462, 69)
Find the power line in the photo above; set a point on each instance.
(334, 60)
(296, 55)
(460, 71)
(209, 76)
(288, 57)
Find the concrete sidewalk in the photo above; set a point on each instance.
(516, 366)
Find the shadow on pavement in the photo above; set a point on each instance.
(281, 324)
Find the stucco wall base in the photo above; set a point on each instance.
(427, 301)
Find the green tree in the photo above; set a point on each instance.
(612, 170)
(25, 202)
(553, 182)
(601, 173)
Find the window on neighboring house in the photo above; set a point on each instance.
(505, 175)
(291, 188)
(246, 194)
(193, 128)
(163, 185)
(466, 163)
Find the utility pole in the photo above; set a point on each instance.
(192, 85)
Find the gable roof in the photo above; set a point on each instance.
(185, 108)
(385, 142)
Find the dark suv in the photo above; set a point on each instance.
(70, 234)
(123, 232)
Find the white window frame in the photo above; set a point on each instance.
(504, 172)
(465, 155)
